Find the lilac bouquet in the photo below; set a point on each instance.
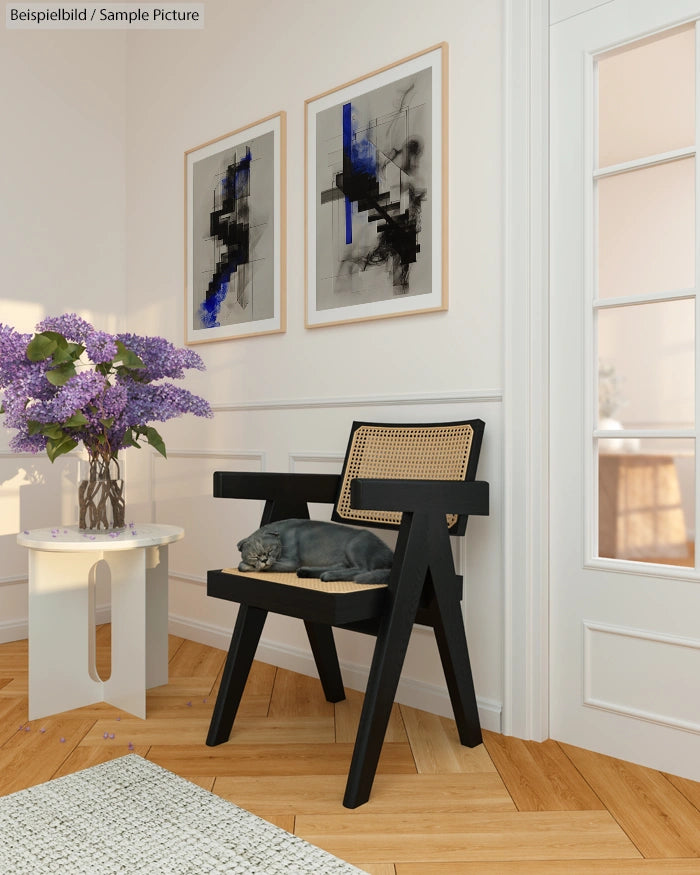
(70, 384)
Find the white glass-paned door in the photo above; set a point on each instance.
(644, 299)
(624, 586)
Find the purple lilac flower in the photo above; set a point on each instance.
(114, 400)
(70, 325)
(162, 401)
(100, 347)
(26, 443)
(13, 354)
(160, 357)
(80, 391)
(111, 402)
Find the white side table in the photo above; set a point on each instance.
(62, 669)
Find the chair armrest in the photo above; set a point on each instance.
(268, 485)
(439, 496)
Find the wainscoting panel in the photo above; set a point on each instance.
(613, 682)
(181, 491)
(33, 494)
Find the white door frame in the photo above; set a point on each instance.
(526, 369)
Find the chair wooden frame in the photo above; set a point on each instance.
(423, 588)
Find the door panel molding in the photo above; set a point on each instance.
(680, 653)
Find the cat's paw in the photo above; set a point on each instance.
(305, 572)
(243, 566)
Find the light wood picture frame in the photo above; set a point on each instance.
(376, 194)
(235, 233)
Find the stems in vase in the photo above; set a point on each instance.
(101, 498)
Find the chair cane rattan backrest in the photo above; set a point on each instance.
(433, 451)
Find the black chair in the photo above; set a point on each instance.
(419, 479)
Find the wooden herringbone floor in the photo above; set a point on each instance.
(505, 808)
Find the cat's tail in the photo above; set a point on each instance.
(378, 575)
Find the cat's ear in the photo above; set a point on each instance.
(240, 543)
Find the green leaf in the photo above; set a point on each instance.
(128, 358)
(40, 347)
(48, 429)
(108, 423)
(70, 352)
(56, 448)
(53, 431)
(55, 335)
(76, 420)
(59, 376)
(155, 440)
(130, 438)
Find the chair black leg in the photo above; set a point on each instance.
(244, 643)
(454, 654)
(385, 671)
(326, 657)
(451, 638)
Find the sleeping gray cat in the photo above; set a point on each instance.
(314, 548)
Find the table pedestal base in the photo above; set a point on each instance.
(62, 669)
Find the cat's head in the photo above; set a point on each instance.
(260, 551)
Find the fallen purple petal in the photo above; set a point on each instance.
(62, 739)
(111, 735)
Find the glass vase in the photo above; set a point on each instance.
(101, 505)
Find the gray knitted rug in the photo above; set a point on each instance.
(131, 816)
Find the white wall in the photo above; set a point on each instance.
(285, 402)
(62, 240)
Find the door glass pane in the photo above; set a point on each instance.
(646, 366)
(647, 98)
(646, 500)
(646, 230)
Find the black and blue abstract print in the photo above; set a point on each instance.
(229, 227)
(374, 154)
(234, 235)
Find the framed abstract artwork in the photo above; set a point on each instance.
(235, 233)
(376, 194)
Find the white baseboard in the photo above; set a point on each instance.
(416, 694)
(16, 630)
(13, 630)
